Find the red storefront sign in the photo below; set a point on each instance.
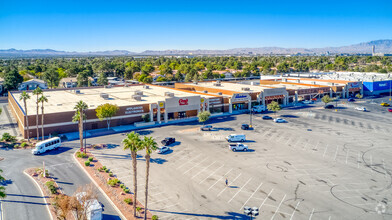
(183, 101)
(274, 97)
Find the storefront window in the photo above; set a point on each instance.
(181, 114)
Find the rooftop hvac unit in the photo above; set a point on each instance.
(108, 87)
(137, 97)
(169, 94)
(138, 93)
(284, 80)
(245, 88)
(313, 82)
(218, 81)
(146, 86)
(217, 84)
(104, 95)
(254, 83)
(205, 91)
(219, 93)
(195, 82)
(77, 91)
(298, 81)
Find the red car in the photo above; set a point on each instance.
(390, 109)
(314, 99)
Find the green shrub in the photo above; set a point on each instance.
(23, 145)
(126, 190)
(139, 209)
(8, 137)
(122, 185)
(51, 187)
(128, 200)
(111, 174)
(91, 159)
(113, 182)
(81, 154)
(107, 170)
(104, 167)
(87, 163)
(154, 217)
(16, 146)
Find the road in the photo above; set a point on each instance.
(24, 200)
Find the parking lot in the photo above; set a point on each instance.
(322, 164)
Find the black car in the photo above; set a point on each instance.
(245, 127)
(329, 106)
(266, 117)
(167, 141)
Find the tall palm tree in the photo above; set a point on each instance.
(24, 96)
(78, 117)
(38, 91)
(42, 99)
(133, 143)
(149, 145)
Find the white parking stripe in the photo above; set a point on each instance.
(220, 179)
(188, 162)
(311, 214)
(336, 152)
(239, 191)
(251, 196)
(325, 151)
(203, 169)
(229, 184)
(160, 200)
(278, 207)
(295, 209)
(195, 165)
(347, 155)
(266, 198)
(211, 174)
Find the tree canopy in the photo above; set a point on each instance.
(106, 111)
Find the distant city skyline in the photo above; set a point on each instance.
(158, 25)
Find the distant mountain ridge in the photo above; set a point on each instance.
(382, 46)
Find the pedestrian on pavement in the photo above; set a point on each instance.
(227, 182)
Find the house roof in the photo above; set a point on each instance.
(34, 80)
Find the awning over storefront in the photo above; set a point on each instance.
(354, 89)
(274, 97)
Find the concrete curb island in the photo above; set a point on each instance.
(42, 194)
(97, 185)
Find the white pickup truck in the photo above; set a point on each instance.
(238, 146)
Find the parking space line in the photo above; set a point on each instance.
(295, 209)
(187, 162)
(195, 165)
(220, 178)
(203, 169)
(167, 207)
(160, 200)
(251, 196)
(239, 190)
(278, 207)
(347, 155)
(336, 152)
(211, 174)
(266, 198)
(358, 160)
(311, 214)
(229, 184)
(325, 151)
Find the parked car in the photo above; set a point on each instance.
(259, 108)
(308, 102)
(279, 120)
(351, 100)
(238, 146)
(314, 99)
(206, 128)
(384, 104)
(162, 150)
(390, 109)
(245, 127)
(266, 117)
(363, 109)
(329, 106)
(168, 141)
(46, 145)
(236, 138)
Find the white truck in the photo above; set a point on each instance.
(236, 138)
(238, 146)
(259, 108)
(49, 144)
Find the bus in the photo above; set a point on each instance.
(49, 144)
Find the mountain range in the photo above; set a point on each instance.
(381, 46)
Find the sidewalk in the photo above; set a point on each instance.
(127, 128)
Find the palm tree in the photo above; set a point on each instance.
(42, 99)
(78, 117)
(133, 143)
(149, 145)
(2, 188)
(24, 97)
(38, 91)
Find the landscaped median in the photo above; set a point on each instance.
(117, 192)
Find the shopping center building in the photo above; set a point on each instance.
(162, 104)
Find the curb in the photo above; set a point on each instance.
(1, 211)
(96, 184)
(42, 193)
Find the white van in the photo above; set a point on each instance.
(236, 138)
(46, 145)
(259, 108)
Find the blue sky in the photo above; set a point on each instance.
(158, 25)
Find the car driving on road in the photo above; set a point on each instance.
(266, 117)
(238, 146)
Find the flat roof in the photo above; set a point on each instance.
(65, 100)
(232, 86)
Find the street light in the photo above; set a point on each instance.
(250, 117)
(251, 211)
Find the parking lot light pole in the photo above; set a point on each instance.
(250, 118)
